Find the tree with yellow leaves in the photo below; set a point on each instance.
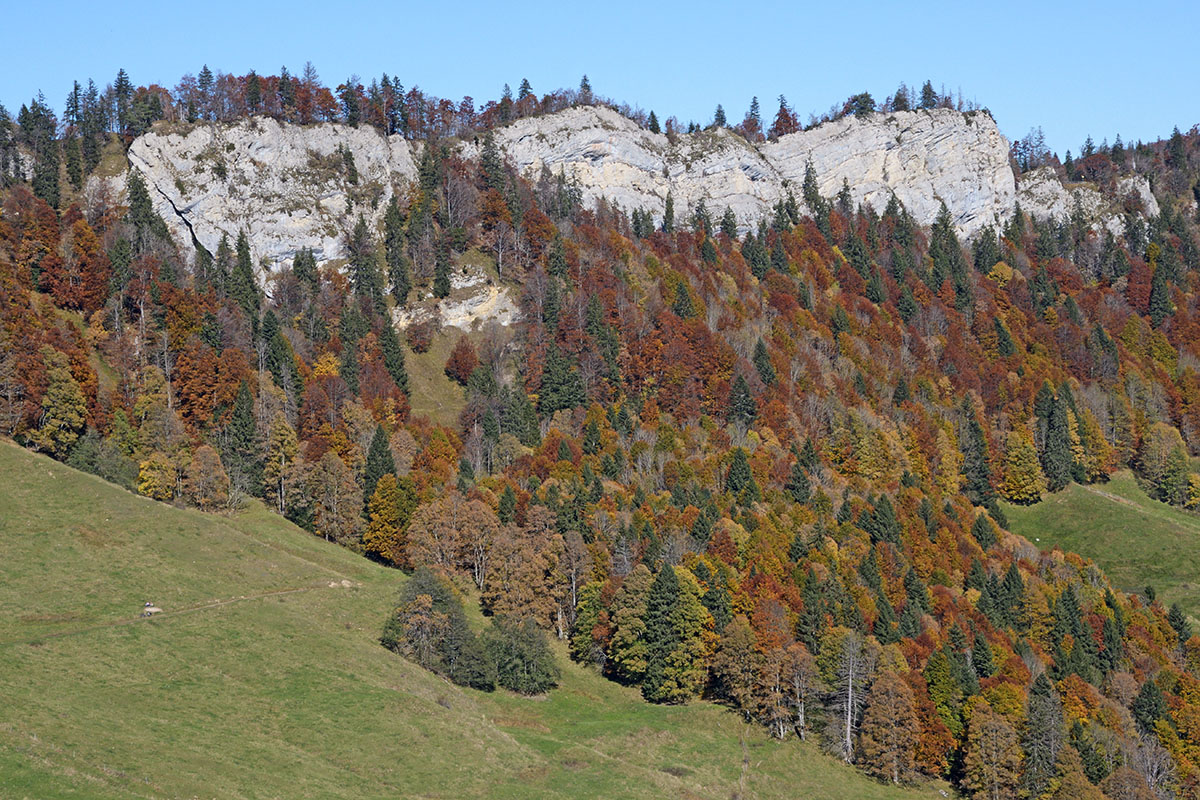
(1024, 482)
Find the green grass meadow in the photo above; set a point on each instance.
(263, 678)
(1135, 539)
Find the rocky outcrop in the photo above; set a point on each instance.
(1043, 196)
(287, 186)
(923, 157)
(292, 186)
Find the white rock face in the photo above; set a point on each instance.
(924, 157)
(288, 186)
(1043, 196)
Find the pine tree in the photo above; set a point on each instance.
(652, 124)
(240, 454)
(742, 408)
(675, 621)
(393, 357)
(762, 363)
(719, 117)
(798, 486)
(1057, 458)
(682, 306)
(1148, 707)
(393, 249)
(379, 462)
(929, 98)
(740, 480)
(441, 273)
(1043, 736)
(562, 386)
(242, 286)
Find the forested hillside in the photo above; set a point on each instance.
(758, 466)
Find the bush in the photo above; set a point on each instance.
(522, 656)
(420, 336)
(99, 456)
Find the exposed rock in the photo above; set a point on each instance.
(288, 186)
(1043, 196)
(474, 299)
(1140, 187)
(924, 157)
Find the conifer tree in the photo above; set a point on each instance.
(242, 286)
(1043, 736)
(393, 249)
(393, 357)
(742, 408)
(682, 307)
(379, 462)
(1057, 458)
(241, 454)
(762, 363)
(675, 621)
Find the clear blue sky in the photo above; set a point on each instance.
(1072, 67)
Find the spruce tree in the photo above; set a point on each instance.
(242, 286)
(240, 455)
(1057, 459)
(742, 408)
(762, 363)
(393, 250)
(660, 636)
(379, 462)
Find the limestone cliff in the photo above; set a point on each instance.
(292, 186)
(287, 186)
(923, 157)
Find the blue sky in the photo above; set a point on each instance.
(1073, 68)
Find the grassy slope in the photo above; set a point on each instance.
(262, 680)
(1134, 539)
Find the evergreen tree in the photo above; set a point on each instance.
(652, 123)
(379, 462)
(762, 363)
(562, 386)
(1043, 736)
(242, 286)
(929, 98)
(668, 221)
(393, 357)
(798, 486)
(1179, 621)
(742, 408)
(975, 469)
(441, 272)
(1057, 458)
(1160, 300)
(675, 621)
(740, 480)
(241, 452)
(682, 307)
(393, 249)
(729, 224)
(1148, 707)
(719, 117)
(983, 531)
